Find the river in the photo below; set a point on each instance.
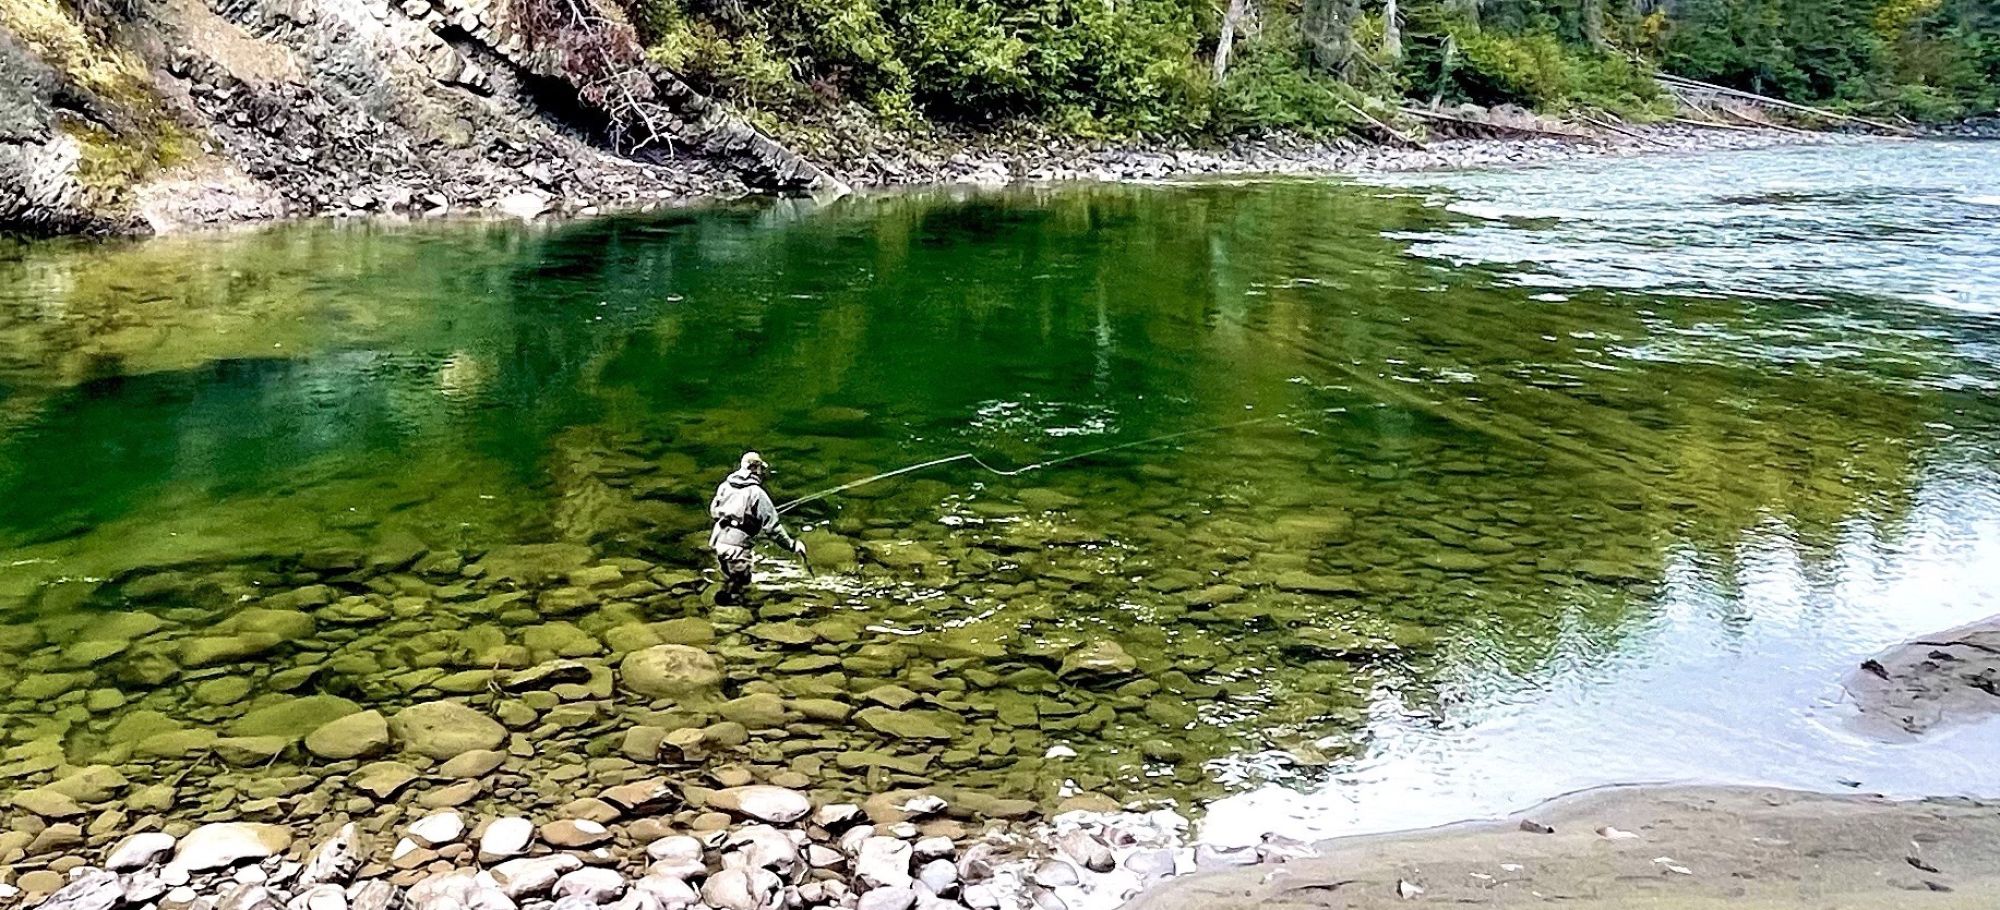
(1451, 491)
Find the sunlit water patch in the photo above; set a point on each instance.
(1907, 220)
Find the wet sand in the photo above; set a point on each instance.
(1685, 847)
(1688, 847)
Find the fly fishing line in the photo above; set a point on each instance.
(1016, 472)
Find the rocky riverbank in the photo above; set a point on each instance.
(754, 847)
(865, 160)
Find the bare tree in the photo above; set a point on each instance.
(1228, 37)
(1392, 32)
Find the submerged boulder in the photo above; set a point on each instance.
(670, 671)
(446, 729)
(1098, 658)
(363, 735)
(293, 718)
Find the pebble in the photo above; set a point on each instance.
(505, 838)
(1151, 865)
(592, 885)
(1054, 873)
(883, 862)
(139, 851)
(743, 889)
(438, 829)
(763, 802)
(888, 899)
(668, 891)
(227, 843)
(575, 833)
(1212, 856)
(932, 848)
(1087, 850)
(520, 878)
(939, 875)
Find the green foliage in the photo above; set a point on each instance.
(1272, 87)
(1540, 71)
(1929, 59)
(1123, 67)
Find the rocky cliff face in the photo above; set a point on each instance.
(159, 114)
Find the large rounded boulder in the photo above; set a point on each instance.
(670, 671)
(446, 729)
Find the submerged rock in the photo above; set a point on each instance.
(293, 718)
(1100, 658)
(446, 729)
(363, 735)
(383, 779)
(904, 724)
(670, 671)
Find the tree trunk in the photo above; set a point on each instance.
(1228, 38)
(1392, 33)
(1444, 70)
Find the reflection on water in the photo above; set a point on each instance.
(1484, 540)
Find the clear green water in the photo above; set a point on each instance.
(1524, 439)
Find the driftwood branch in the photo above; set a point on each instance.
(1393, 133)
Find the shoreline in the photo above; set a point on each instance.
(996, 163)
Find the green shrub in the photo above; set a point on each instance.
(1539, 71)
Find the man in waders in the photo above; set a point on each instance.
(742, 510)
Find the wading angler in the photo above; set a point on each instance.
(742, 511)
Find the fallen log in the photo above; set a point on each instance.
(1672, 80)
(1487, 124)
(1407, 141)
(1760, 124)
(1622, 131)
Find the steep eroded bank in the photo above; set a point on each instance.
(169, 113)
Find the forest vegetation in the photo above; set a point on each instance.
(1224, 67)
